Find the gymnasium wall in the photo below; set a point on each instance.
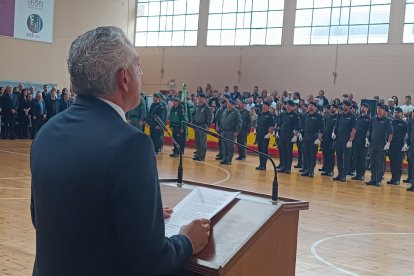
(365, 70)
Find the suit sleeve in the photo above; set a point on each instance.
(138, 211)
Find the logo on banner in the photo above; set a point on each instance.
(34, 23)
(35, 4)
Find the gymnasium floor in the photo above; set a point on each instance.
(350, 229)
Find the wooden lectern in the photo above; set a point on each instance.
(252, 236)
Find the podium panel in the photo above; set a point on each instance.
(251, 236)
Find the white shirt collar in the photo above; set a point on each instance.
(116, 107)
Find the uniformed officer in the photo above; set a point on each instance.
(396, 155)
(138, 115)
(264, 129)
(202, 118)
(328, 144)
(313, 133)
(245, 129)
(301, 158)
(344, 133)
(380, 136)
(410, 144)
(217, 118)
(178, 130)
(156, 132)
(231, 123)
(288, 128)
(360, 145)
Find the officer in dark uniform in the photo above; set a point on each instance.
(231, 123)
(396, 155)
(410, 153)
(202, 118)
(178, 130)
(328, 144)
(288, 128)
(217, 118)
(264, 129)
(313, 133)
(156, 132)
(245, 129)
(301, 158)
(361, 144)
(380, 136)
(344, 133)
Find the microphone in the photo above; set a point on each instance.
(275, 185)
(180, 166)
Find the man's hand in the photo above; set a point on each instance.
(167, 212)
(349, 145)
(333, 136)
(198, 232)
(182, 130)
(294, 139)
(13, 111)
(235, 134)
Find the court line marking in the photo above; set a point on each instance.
(13, 198)
(17, 177)
(7, 151)
(317, 243)
(7, 188)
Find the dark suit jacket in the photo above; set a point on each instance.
(36, 110)
(101, 212)
(9, 103)
(64, 105)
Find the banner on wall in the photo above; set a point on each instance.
(27, 19)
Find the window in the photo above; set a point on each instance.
(409, 22)
(167, 23)
(342, 21)
(245, 22)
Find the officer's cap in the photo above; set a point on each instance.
(380, 105)
(267, 103)
(398, 109)
(334, 106)
(233, 102)
(354, 106)
(347, 102)
(157, 95)
(202, 95)
(176, 99)
(365, 104)
(305, 105)
(290, 102)
(313, 103)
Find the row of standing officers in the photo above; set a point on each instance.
(344, 134)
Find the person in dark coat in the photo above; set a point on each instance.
(10, 105)
(104, 215)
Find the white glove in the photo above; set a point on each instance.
(294, 139)
(349, 145)
(300, 137)
(317, 142)
(333, 135)
(387, 146)
(267, 136)
(367, 143)
(277, 135)
(405, 148)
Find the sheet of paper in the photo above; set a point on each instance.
(200, 203)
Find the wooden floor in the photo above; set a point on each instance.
(350, 229)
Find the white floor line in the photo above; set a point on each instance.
(18, 153)
(9, 188)
(13, 198)
(17, 177)
(317, 243)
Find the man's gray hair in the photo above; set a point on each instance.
(95, 58)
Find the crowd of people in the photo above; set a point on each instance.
(339, 128)
(24, 111)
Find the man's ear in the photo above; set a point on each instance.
(123, 79)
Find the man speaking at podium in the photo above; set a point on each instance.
(96, 202)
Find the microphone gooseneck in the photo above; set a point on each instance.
(275, 184)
